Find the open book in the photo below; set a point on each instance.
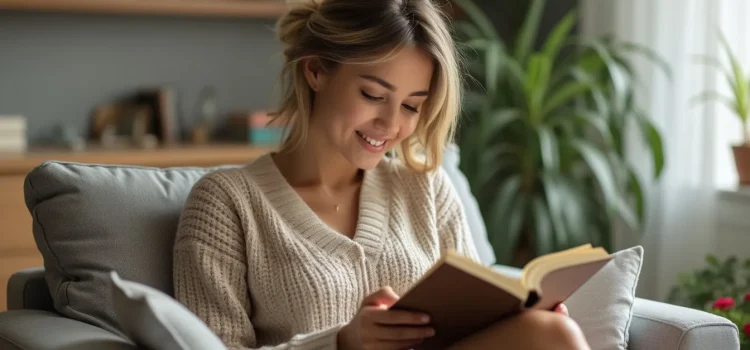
(463, 296)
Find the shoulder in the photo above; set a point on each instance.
(222, 183)
(229, 185)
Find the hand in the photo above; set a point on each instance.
(376, 327)
(562, 309)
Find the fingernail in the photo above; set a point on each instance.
(430, 332)
(425, 318)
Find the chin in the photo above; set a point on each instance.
(365, 161)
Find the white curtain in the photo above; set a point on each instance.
(697, 137)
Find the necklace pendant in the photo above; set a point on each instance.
(337, 208)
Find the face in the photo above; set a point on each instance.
(363, 111)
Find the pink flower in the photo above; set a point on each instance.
(747, 296)
(723, 304)
(746, 329)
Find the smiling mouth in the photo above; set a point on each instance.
(370, 140)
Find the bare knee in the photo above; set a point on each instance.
(556, 331)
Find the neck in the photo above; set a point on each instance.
(313, 164)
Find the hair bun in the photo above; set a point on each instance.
(292, 24)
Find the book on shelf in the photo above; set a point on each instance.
(463, 296)
(13, 134)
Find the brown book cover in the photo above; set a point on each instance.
(463, 296)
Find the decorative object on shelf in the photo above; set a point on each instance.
(121, 125)
(162, 103)
(738, 103)
(543, 145)
(721, 288)
(69, 137)
(13, 134)
(145, 120)
(256, 128)
(209, 114)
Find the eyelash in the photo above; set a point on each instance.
(378, 99)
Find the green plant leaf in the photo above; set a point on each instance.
(497, 121)
(495, 57)
(653, 139)
(550, 148)
(468, 30)
(477, 16)
(559, 34)
(602, 170)
(713, 96)
(737, 81)
(618, 76)
(564, 95)
(711, 61)
(544, 234)
(555, 204)
(477, 44)
(537, 80)
(527, 36)
(650, 54)
(636, 189)
(598, 123)
(505, 221)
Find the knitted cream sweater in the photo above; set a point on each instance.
(256, 264)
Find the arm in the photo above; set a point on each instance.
(210, 269)
(453, 227)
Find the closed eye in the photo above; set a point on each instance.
(411, 109)
(370, 97)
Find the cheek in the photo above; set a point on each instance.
(408, 127)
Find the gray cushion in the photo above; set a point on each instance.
(603, 306)
(156, 321)
(89, 220)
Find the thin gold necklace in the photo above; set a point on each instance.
(336, 205)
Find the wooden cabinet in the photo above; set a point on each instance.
(17, 247)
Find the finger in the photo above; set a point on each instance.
(398, 317)
(395, 344)
(384, 296)
(390, 333)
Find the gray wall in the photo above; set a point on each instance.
(55, 68)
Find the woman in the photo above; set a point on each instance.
(307, 247)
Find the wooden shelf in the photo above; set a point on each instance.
(197, 8)
(174, 156)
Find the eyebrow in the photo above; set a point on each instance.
(390, 86)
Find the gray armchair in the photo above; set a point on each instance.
(89, 220)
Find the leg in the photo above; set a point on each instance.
(529, 330)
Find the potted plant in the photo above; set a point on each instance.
(544, 145)
(721, 288)
(738, 103)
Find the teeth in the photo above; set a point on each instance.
(370, 140)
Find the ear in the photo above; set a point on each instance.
(315, 73)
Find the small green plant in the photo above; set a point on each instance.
(721, 288)
(739, 101)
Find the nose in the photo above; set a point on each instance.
(387, 121)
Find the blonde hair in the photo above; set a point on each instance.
(366, 32)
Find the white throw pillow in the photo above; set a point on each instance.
(603, 306)
(154, 320)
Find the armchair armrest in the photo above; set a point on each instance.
(658, 325)
(27, 289)
(36, 329)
